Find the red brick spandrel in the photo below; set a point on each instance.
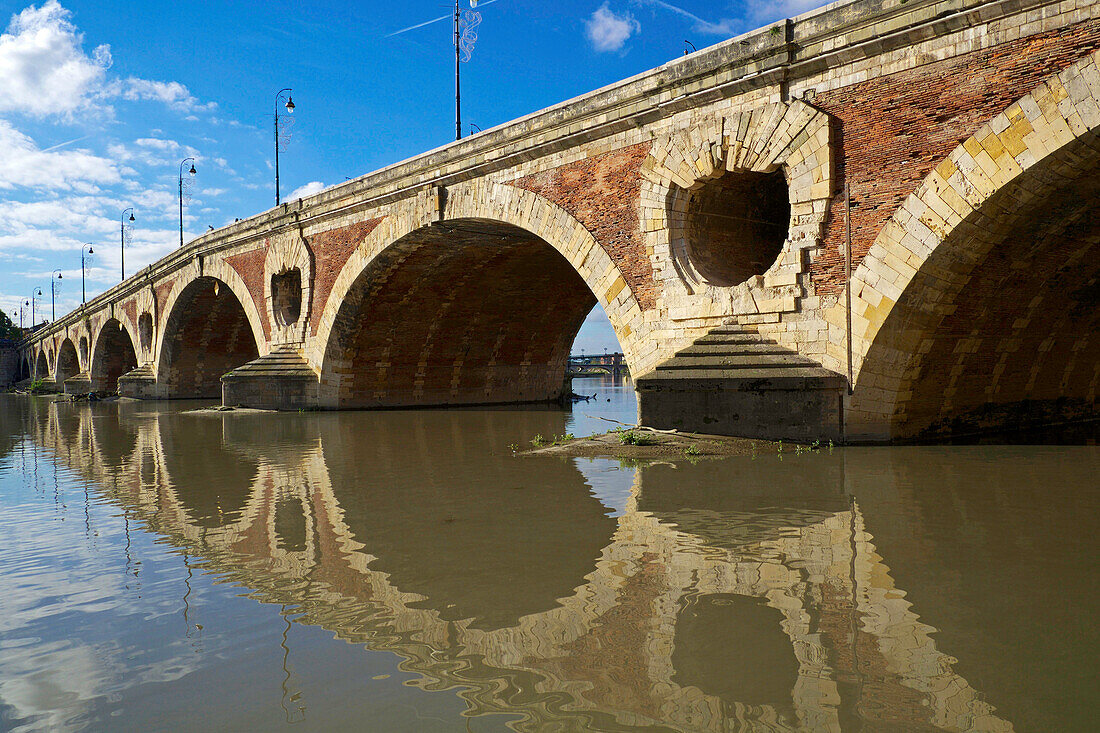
(161, 291)
(603, 194)
(891, 132)
(250, 266)
(130, 309)
(331, 250)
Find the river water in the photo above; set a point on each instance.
(403, 571)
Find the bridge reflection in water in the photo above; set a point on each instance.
(746, 594)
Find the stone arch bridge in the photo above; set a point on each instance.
(703, 205)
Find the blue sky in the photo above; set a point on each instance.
(100, 100)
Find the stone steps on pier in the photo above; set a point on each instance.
(280, 380)
(735, 352)
(282, 361)
(735, 381)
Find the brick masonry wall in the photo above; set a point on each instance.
(68, 364)
(331, 249)
(1023, 328)
(250, 266)
(114, 356)
(602, 193)
(893, 130)
(209, 335)
(130, 309)
(456, 317)
(163, 289)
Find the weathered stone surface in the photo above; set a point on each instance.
(968, 136)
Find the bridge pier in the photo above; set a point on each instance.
(78, 384)
(139, 384)
(768, 408)
(281, 380)
(735, 382)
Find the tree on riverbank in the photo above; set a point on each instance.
(9, 330)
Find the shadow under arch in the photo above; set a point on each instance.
(112, 356)
(469, 311)
(207, 333)
(504, 254)
(68, 363)
(41, 366)
(990, 319)
(24, 368)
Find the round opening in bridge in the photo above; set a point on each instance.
(286, 297)
(145, 330)
(735, 225)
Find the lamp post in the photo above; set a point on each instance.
(191, 172)
(469, 35)
(458, 94)
(85, 249)
(34, 297)
(289, 108)
(122, 238)
(54, 285)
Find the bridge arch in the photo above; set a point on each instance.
(977, 305)
(68, 362)
(207, 332)
(112, 356)
(41, 366)
(480, 307)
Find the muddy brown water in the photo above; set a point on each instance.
(402, 571)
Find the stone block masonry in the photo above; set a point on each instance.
(968, 135)
(895, 129)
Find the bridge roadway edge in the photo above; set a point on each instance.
(760, 66)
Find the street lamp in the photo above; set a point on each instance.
(289, 108)
(465, 35)
(122, 239)
(192, 172)
(54, 286)
(34, 297)
(85, 249)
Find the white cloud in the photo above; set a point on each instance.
(23, 164)
(43, 69)
(721, 28)
(171, 93)
(157, 143)
(307, 190)
(607, 31)
(75, 215)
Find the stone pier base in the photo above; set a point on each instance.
(733, 381)
(140, 383)
(78, 384)
(281, 380)
(761, 408)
